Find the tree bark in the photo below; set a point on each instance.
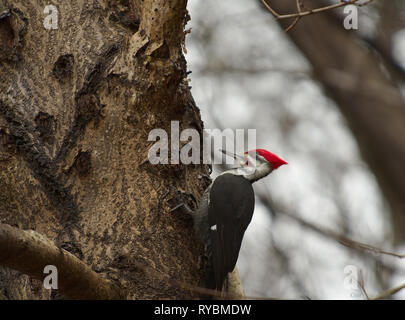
(366, 96)
(30, 252)
(76, 106)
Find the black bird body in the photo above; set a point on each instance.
(230, 200)
(225, 211)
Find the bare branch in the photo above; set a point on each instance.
(29, 252)
(365, 247)
(333, 234)
(389, 292)
(360, 282)
(297, 18)
(343, 239)
(299, 14)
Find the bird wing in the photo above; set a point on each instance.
(229, 214)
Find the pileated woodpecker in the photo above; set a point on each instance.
(226, 209)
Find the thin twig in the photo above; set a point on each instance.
(333, 234)
(313, 11)
(388, 292)
(360, 282)
(296, 19)
(292, 25)
(362, 246)
(301, 13)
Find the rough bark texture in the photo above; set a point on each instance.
(352, 75)
(76, 107)
(30, 252)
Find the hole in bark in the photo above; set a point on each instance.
(129, 20)
(3, 137)
(7, 36)
(83, 162)
(46, 125)
(8, 143)
(87, 107)
(63, 66)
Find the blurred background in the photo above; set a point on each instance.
(329, 101)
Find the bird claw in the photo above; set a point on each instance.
(176, 207)
(184, 208)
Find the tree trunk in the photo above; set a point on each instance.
(366, 96)
(76, 106)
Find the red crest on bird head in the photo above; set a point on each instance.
(274, 161)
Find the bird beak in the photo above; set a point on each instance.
(242, 159)
(233, 155)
